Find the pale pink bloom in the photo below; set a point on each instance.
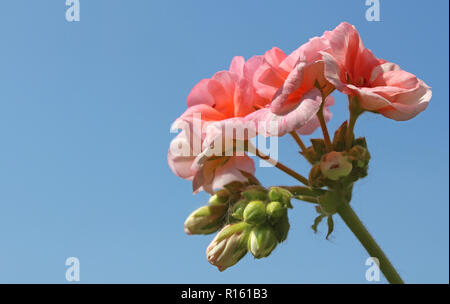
(210, 173)
(381, 86)
(224, 99)
(287, 84)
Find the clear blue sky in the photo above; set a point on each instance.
(85, 111)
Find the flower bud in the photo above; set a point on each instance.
(220, 197)
(360, 141)
(229, 246)
(360, 155)
(281, 228)
(255, 213)
(316, 178)
(205, 220)
(254, 193)
(277, 194)
(275, 211)
(238, 209)
(335, 165)
(262, 241)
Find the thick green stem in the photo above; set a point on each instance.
(357, 227)
(349, 136)
(355, 111)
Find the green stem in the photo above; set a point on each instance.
(282, 167)
(298, 140)
(308, 199)
(323, 126)
(349, 134)
(357, 227)
(355, 112)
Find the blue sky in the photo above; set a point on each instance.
(85, 111)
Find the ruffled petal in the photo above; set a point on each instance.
(231, 171)
(271, 124)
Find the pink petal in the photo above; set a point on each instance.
(200, 94)
(335, 73)
(408, 105)
(344, 43)
(181, 161)
(270, 124)
(230, 171)
(314, 123)
(237, 66)
(274, 57)
(294, 80)
(203, 112)
(308, 52)
(301, 79)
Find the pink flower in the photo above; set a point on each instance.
(380, 86)
(287, 85)
(213, 104)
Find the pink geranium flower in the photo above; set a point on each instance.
(380, 86)
(224, 100)
(287, 84)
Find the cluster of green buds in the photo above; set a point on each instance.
(250, 218)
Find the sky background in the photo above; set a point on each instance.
(85, 112)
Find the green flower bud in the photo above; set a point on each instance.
(262, 241)
(254, 193)
(220, 197)
(360, 141)
(277, 194)
(275, 211)
(335, 165)
(205, 220)
(281, 228)
(229, 246)
(255, 213)
(316, 178)
(360, 156)
(238, 209)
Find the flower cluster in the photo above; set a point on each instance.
(273, 95)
